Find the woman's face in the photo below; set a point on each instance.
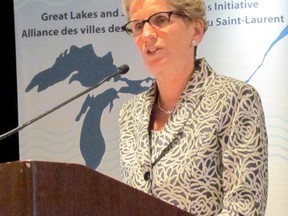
(166, 50)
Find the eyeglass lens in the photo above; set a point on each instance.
(158, 20)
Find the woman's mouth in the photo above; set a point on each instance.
(152, 51)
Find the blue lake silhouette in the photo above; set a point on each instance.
(88, 69)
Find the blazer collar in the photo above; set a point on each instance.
(191, 97)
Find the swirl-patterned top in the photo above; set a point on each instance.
(216, 163)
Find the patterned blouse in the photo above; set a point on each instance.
(211, 156)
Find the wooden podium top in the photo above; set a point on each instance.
(48, 188)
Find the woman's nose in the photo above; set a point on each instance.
(148, 31)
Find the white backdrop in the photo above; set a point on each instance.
(246, 40)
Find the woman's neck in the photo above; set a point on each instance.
(170, 90)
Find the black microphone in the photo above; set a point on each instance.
(123, 69)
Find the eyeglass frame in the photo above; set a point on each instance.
(170, 13)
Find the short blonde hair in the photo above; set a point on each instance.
(194, 9)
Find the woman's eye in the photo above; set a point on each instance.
(138, 26)
(160, 20)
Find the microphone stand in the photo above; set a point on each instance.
(120, 70)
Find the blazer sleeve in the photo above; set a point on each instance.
(245, 157)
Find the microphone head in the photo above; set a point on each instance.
(123, 69)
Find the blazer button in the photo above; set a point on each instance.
(147, 176)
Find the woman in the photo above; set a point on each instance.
(195, 139)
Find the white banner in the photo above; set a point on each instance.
(66, 46)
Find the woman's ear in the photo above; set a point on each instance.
(198, 33)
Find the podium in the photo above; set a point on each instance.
(48, 188)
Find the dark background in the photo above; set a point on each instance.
(9, 147)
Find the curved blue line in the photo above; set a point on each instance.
(279, 137)
(280, 36)
(278, 146)
(276, 117)
(277, 127)
(278, 156)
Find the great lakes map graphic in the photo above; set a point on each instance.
(91, 69)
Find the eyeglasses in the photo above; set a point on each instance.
(158, 20)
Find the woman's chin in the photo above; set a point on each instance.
(156, 66)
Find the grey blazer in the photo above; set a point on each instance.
(211, 156)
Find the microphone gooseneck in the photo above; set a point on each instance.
(123, 69)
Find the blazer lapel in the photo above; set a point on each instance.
(145, 105)
(188, 102)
